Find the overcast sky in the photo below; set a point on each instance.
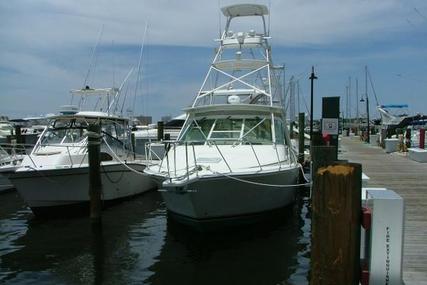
(45, 49)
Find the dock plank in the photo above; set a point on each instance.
(407, 178)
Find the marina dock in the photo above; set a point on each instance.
(408, 178)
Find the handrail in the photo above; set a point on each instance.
(222, 156)
(167, 162)
(256, 156)
(195, 161)
(189, 170)
(186, 161)
(174, 158)
(278, 157)
(69, 155)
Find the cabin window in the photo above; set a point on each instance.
(230, 130)
(226, 131)
(257, 131)
(278, 129)
(115, 135)
(198, 131)
(57, 132)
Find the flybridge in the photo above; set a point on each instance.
(105, 99)
(87, 91)
(242, 71)
(241, 10)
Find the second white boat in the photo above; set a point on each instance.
(54, 177)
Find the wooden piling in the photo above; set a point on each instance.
(301, 125)
(19, 140)
(322, 155)
(133, 142)
(160, 130)
(316, 139)
(335, 228)
(18, 134)
(95, 183)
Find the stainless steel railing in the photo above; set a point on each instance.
(193, 168)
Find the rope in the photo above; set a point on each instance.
(122, 162)
(303, 175)
(256, 183)
(95, 135)
(111, 179)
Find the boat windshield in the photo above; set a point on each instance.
(65, 131)
(74, 130)
(256, 131)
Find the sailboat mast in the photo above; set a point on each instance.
(349, 97)
(366, 80)
(357, 98)
(138, 76)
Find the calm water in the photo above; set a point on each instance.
(140, 244)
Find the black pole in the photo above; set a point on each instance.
(367, 101)
(367, 116)
(95, 183)
(160, 130)
(312, 77)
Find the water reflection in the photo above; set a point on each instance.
(70, 251)
(271, 252)
(139, 244)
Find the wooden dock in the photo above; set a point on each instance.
(407, 178)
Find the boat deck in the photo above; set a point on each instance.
(408, 178)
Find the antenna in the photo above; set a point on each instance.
(138, 76)
(219, 19)
(124, 99)
(298, 94)
(120, 88)
(92, 59)
(269, 17)
(114, 64)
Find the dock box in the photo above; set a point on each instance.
(384, 239)
(373, 140)
(391, 145)
(418, 154)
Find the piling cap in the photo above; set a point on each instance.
(336, 170)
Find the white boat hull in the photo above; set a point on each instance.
(224, 197)
(55, 188)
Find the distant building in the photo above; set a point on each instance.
(166, 119)
(144, 120)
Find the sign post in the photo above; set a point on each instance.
(330, 119)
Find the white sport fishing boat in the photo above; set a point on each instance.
(56, 172)
(233, 156)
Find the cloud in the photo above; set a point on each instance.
(46, 46)
(56, 24)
